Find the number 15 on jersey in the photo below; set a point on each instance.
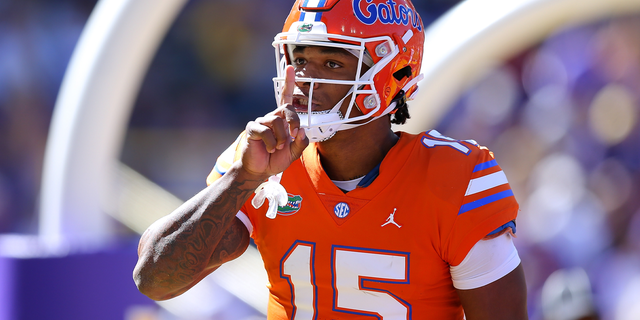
(355, 273)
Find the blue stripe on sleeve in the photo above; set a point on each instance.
(485, 165)
(486, 200)
(510, 224)
(217, 168)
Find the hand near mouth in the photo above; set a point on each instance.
(275, 140)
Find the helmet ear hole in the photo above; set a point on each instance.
(404, 72)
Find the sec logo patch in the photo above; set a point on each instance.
(341, 210)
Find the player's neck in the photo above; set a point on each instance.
(353, 153)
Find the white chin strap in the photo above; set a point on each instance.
(320, 133)
(317, 132)
(322, 125)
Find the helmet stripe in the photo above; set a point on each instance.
(312, 16)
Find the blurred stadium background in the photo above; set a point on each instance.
(561, 116)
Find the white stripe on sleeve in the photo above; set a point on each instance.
(486, 182)
(245, 220)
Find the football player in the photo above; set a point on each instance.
(360, 220)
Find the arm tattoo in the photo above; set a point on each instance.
(198, 236)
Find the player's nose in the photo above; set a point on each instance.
(308, 71)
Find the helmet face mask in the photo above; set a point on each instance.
(385, 45)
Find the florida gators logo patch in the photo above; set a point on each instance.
(293, 205)
(306, 27)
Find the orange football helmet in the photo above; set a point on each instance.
(386, 35)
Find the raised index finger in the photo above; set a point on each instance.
(286, 96)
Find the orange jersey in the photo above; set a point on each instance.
(383, 250)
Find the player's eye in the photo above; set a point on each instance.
(333, 65)
(298, 62)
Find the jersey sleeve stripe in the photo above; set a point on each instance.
(245, 220)
(485, 165)
(510, 224)
(219, 170)
(486, 182)
(486, 200)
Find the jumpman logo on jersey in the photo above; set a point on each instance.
(390, 219)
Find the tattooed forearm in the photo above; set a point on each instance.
(179, 250)
(228, 247)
